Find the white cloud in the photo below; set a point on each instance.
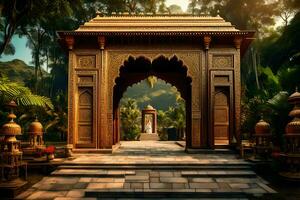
(182, 3)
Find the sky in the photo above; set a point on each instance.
(182, 3)
(24, 53)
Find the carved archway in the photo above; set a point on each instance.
(136, 69)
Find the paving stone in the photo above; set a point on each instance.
(239, 185)
(65, 180)
(160, 185)
(177, 174)
(142, 173)
(47, 194)
(25, 194)
(224, 186)
(114, 185)
(116, 172)
(80, 172)
(96, 186)
(203, 190)
(255, 190)
(154, 180)
(45, 186)
(80, 185)
(227, 190)
(146, 186)
(203, 185)
(119, 180)
(61, 187)
(136, 185)
(102, 180)
(126, 185)
(154, 174)
(267, 188)
(173, 180)
(76, 193)
(137, 178)
(86, 180)
(165, 174)
(189, 172)
(215, 172)
(179, 186)
(236, 180)
(202, 180)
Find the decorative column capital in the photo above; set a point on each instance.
(206, 40)
(69, 39)
(237, 42)
(101, 42)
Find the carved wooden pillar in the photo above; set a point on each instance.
(71, 91)
(207, 135)
(237, 88)
(101, 85)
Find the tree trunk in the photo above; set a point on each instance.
(255, 68)
(7, 37)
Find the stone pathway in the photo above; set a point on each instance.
(151, 170)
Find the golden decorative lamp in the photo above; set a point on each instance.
(263, 145)
(292, 137)
(35, 132)
(11, 155)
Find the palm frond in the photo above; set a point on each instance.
(22, 95)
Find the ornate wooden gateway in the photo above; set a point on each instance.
(198, 55)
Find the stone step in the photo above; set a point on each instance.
(169, 193)
(122, 173)
(161, 167)
(212, 151)
(91, 173)
(162, 164)
(219, 173)
(90, 198)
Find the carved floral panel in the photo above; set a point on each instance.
(221, 61)
(86, 61)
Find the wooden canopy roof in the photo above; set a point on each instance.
(159, 25)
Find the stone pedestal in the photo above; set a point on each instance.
(149, 136)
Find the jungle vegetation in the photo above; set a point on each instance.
(270, 68)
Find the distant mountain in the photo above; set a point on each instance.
(161, 96)
(17, 70)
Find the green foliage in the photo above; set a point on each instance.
(270, 81)
(276, 112)
(175, 117)
(251, 112)
(161, 94)
(252, 14)
(280, 52)
(21, 95)
(130, 119)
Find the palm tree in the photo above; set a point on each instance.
(21, 95)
